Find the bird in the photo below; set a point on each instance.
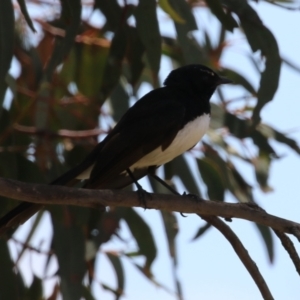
(162, 125)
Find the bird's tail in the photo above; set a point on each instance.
(25, 210)
(17, 216)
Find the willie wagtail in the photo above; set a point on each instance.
(163, 124)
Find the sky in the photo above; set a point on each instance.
(208, 268)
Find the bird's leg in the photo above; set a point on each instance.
(151, 172)
(141, 192)
(167, 186)
(163, 183)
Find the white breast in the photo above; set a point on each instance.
(185, 139)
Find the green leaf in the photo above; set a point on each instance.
(69, 247)
(171, 229)
(11, 287)
(87, 294)
(267, 237)
(183, 9)
(112, 12)
(134, 55)
(262, 168)
(165, 5)
(147, 27)
(171, 48)
(7, 28)
(239, 79)
(113, 66)
(201, 231)
(35, 291)
(86, 59)
(259, 38)
(270, 132)
(71, 14)
(26, 15)
(232, 179)
(181, 169)
(210, 173)
(142, 234)
(119, 100)
(225, 18)
(117, 265)
(217, 116)
(191, 51)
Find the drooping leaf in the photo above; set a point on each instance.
(117, 265)
(7, 42)
(87, 294)
(225, 18)
(267, 237)
(171, 229)
(171, 48)
(113, 66)
(181, 169)
(210, 173)
(239, 79)
(134, 54)
(165, 5)
(233, 181)
(259, 38)
(142, 234)
(262, 167)
(26, 15)
(112, 12)
(192, 53)
(270, 132)
(119, 100)
(147, 27)
(70, 14)
(68, 243)
(35, 291)
(201, 231)
(11, 287)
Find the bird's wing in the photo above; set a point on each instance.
(135, 136)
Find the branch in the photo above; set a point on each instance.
(242, 254)
(49, 194)
(289, 247)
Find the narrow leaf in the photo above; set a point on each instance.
(147, 26)
(117, 265)
(7, 27)
(201, 231)
(142, 234)
(71, 14)
(165, 5)
(226, 19)
(26, 15)
(210, 173)
(267, 237)
(181, 169)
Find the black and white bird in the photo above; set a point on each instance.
(163, 124)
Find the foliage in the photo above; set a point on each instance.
(74, 73)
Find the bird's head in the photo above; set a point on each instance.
(196, 77)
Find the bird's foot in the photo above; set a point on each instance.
(192, 196)
(142, 195)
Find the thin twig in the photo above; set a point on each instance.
(290, 248)
(242, 253)
(63, 133)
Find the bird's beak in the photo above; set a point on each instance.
(224, 80)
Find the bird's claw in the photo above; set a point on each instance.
(142, 195)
